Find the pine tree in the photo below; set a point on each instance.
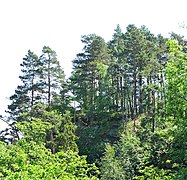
(86, 77)
(52, 76)
(42, 81)
(116, 46)
(28, 93)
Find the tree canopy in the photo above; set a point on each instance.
(122, 114)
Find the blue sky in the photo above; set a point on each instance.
(31, 24)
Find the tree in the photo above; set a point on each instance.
(52, 77)
(176, 105)
(86, 81)
(123, 159)
(176, 82)
(116, 49)
(54, 130)
(42, 81)
(90, 87)
(29, 160)
(29, 92)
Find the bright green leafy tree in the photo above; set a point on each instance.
(29, 160)
(54, 130)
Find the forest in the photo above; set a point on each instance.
(121, 115)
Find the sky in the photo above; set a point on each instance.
(31, 24)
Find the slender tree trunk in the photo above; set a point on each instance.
(126, 101)
(148, 98)
(49, 81)
(163, 95)
(153, 111)
(113, 95)
(134, 96)
(122, 101)
(140, 95)
(32, 93)
(92, 98)
(117, 94)
(131, 106)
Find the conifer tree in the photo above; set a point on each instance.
(52, 76)
(42, 81)
(85, 78)
(29, 92)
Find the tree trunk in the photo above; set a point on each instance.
(134, 96)
(49, 81)
(140, 95)
(92, 99)
(122, 100)
(32, 93)
(153, 111)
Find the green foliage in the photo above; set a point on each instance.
(29, 92)
(181, 174)
(176, 75)
(28, 160)
(42, 79)
(154, 173)
(110, 165)
(176, 106)
(88, 79)
(135, 84)
(122, 160)
(55, 130)
(35, 130)
(145, 154)
(52, 76)
(105, 131)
